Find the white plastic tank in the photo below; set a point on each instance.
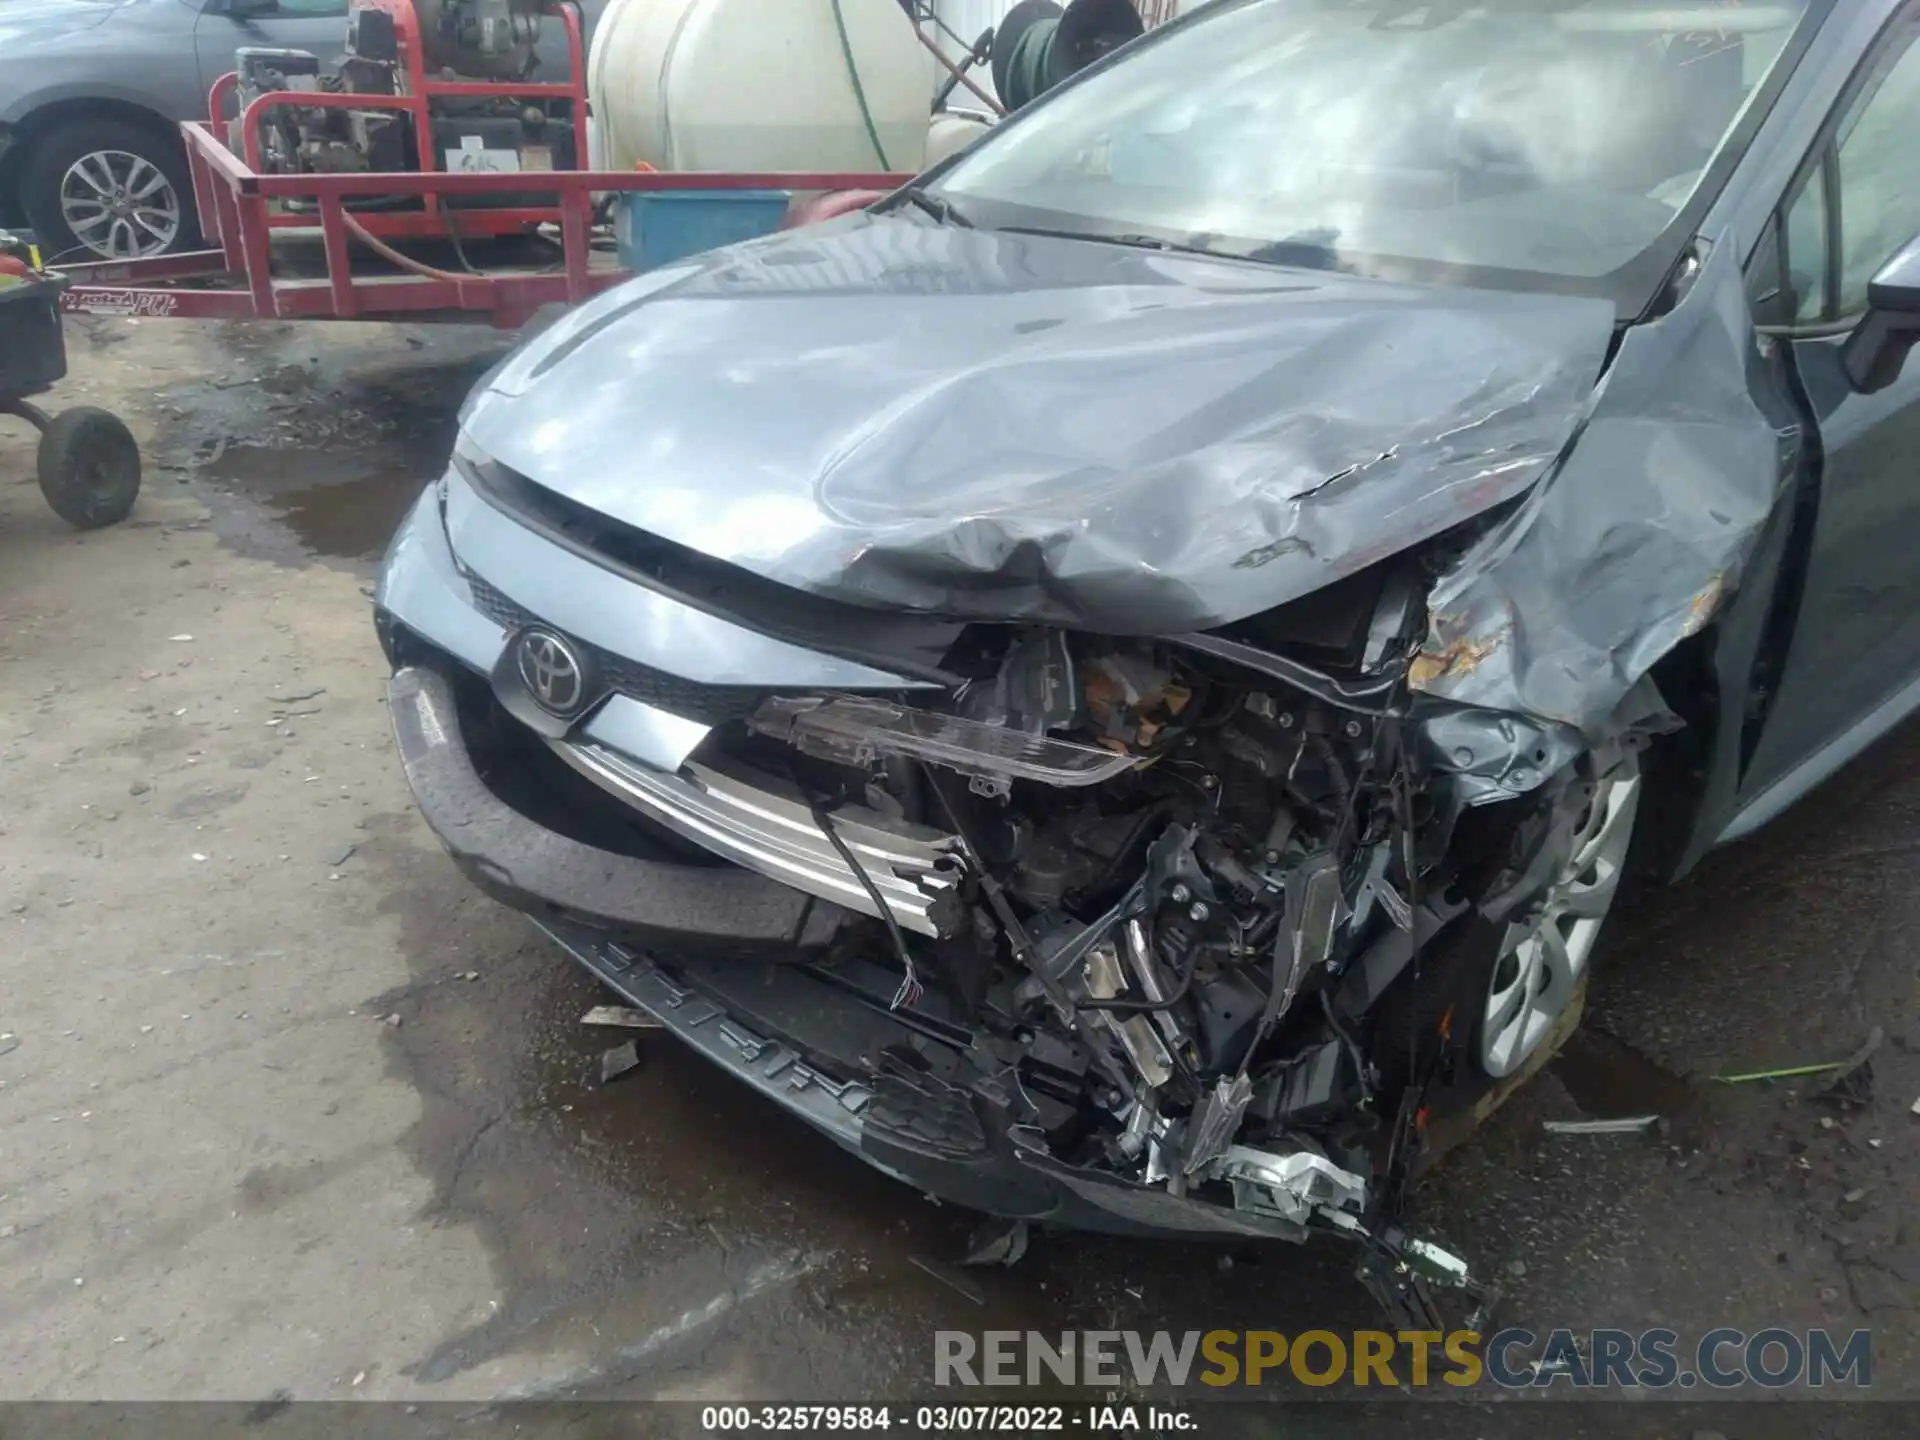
(951, 132)
(750, 85)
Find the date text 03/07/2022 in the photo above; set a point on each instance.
(945, 1419)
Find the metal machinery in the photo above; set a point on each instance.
(423, 86)
(1039, 44)
(428, 128)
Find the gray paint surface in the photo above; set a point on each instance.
(140, 52)
(1005, 426)
(1631, 544)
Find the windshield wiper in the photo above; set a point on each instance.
(940, 209)
(1137, 242)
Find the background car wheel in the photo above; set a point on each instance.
(89, 467)
(108, 190)
(1502, 989)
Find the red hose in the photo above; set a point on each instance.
(407, 262)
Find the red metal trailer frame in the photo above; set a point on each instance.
(241, 211)
(421, 87)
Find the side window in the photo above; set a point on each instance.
(1860, 200)
(1879, 156)
(310, 9)
(1807, 251)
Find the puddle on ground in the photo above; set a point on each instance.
(331, 504)
(1609, 1079)
(313, 449)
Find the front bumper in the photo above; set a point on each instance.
(718, 909)
(783, 1029)
(434, 608)
(796, 1040)
(689, 943)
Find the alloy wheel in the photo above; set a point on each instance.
(120, 205)
(1543, 959)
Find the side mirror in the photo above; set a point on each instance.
(1878, 346)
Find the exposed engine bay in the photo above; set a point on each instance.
(1174, 886)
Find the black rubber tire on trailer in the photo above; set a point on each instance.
(89, 467)
(53, 151)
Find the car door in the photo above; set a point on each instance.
(224, 26)
(1856, 636)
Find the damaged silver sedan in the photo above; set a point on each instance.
(1123, 681)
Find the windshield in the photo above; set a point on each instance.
(1521, 142)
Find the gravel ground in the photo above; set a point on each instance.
(287, 1108)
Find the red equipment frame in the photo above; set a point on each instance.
(419, 90)
(236, 205)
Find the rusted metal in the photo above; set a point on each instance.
(1458, 658)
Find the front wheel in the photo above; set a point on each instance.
(1541, 960)
(1503, 990)
(89, 467)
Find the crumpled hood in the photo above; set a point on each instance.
(992, 425)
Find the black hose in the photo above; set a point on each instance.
(1336, 776)
(453, 234)
(910, 987)
(1344, 1035)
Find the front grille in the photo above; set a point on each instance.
(677, 695)
(497, 607)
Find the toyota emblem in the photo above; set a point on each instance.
(552, 672)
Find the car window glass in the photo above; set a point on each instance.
(1552, 143)
(307, 9)
(1807, 251)
(1879, 179)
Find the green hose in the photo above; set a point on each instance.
(859, 91)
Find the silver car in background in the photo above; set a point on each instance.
(92, 93)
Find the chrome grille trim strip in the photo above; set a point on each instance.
(762, 824)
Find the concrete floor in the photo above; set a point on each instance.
(280, 1118)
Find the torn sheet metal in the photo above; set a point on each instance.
(1000, 426)
(1634, 541)
(1493, 755)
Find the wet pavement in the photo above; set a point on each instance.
(673, 1234)
(302, 461)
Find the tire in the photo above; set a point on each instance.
(115, 150)
(1491, 985)
(89, 467)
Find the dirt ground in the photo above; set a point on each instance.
(287, 1108)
